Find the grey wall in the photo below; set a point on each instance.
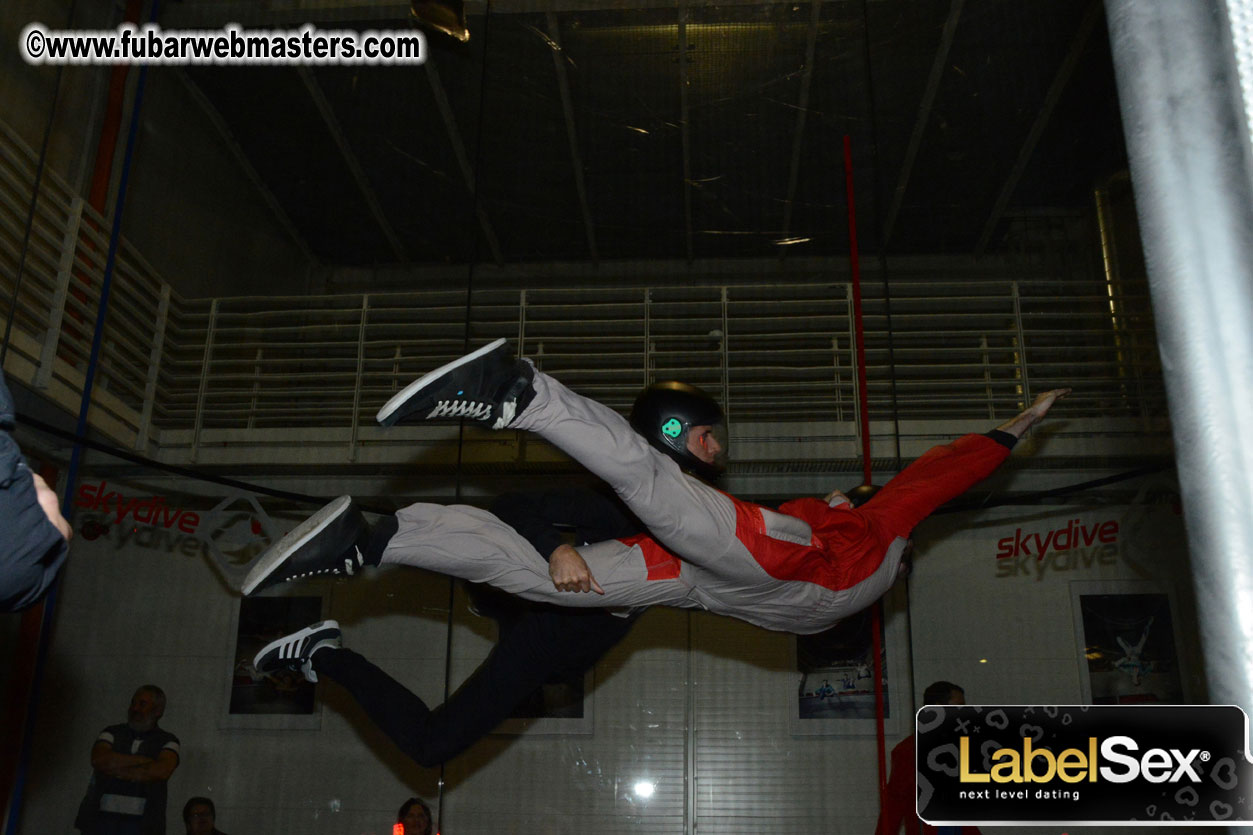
(687, 697)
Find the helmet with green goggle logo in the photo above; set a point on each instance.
(665, 413)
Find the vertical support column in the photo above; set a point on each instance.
(356, 384)
(1192, 171)
(839, 395)
(648, 337)
(154, 368)
(204, 379)
(690, 824)
(56, 313)
(987, 377)
(1127, 349)
(1024, 378)
(522, 323)
(396, 370)
(853, 360)
(726, 363)
(256, 387)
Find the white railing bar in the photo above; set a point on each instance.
(204, 381)
(356, 389)
(154, 367)
(43, 376)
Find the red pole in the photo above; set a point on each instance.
(102, 172)
(876, 618)
(858, 329)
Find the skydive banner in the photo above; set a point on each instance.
(1084, 764)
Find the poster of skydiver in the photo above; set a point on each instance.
(1128, 648)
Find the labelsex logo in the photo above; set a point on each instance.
(1157, 765)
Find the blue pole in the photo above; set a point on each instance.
(45, 630)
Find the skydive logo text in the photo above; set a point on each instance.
(1074, 546)
(151, 511)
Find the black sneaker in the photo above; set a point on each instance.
(327, 543)
(489, 386)
(295, 651)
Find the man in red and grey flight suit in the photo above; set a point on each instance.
(799, 569)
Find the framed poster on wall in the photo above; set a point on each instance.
(1126, 641)
(835, 687)
(283, 700)
(561, 705)
(557, 707)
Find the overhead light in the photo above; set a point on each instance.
(447, 16)
(644, 789)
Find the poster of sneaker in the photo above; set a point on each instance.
(280, 699)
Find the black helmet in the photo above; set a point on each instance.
(665, 413)
(862, 493)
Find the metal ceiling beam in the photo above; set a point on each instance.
(683, 127)
(924, 116)
(463, 159)
(567, 107)
(241, 159)
(1064, 72)
(798, 140)
(350, 159)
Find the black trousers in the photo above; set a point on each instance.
(540, 645)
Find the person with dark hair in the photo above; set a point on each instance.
(899, 799)
(200, 817)
(798, 569)
(415, 817)
(37, 536)
(537, 644)
(131, 764)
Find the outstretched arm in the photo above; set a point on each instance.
(1033, 414)
(945, 472)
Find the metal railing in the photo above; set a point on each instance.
(772, 352)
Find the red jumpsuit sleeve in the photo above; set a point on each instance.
(841, 521)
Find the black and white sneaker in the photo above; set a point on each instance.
(295, 651)
(489, 386)
(328, 543)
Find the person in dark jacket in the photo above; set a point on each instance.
(200, 817)
(900, 797)
(131, 764)
(34, 536)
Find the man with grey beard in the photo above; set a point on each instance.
(131, 764)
